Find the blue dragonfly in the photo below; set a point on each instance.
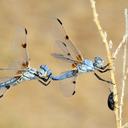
(70, 53)
(22, 71)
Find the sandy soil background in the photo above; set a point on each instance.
(31, 105)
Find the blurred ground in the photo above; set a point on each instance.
(31, 105)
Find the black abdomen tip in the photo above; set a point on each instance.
(7, 87)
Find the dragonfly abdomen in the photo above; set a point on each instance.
(9, 82)
(27, 75)
(65, 75)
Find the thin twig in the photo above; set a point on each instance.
(119, 46)
(125, 125)
(124, 68)
(126, 73)
(104, 39)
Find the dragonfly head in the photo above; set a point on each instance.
(44, 71)
(98, 62)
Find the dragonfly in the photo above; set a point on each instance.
(22, 71)
(71, 54)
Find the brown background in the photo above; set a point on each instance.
(31, 105)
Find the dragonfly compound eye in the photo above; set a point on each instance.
(111, 102)
(98, 62)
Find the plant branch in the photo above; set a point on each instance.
(125, 125)
(119, 46)
(106, 42)
(124, 67)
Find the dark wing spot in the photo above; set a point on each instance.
(67, 37)
(69, 54)
(24, 45)
(74, 65)
(79, 58)
(73, 92)
(64, 44)
(18, 72)
(74, 82)
(59, 21)
(25, 64)
(1, 96)
(26, 32)
(7, 87)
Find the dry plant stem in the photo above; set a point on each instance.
(124, 68)
(119, 46)
(125, 125)
(126, 73)
(103, 36)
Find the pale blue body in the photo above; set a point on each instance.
(86, 66)
(31, 73)
(28, 74)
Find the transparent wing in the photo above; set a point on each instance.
(68, 49)
(68, 86)
(20, 47)
(20, 56)
(64, 57)
(21, 60)
(8, 73)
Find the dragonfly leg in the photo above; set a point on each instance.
(104, 67)
(107, 81)
(103, 71)
(45, 80)
(46, 84)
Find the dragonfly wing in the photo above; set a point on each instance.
(68, 86)
(9, 72)
(20, 47)
(5, 78)
(63, 57)
(20, 57)
(66, 45)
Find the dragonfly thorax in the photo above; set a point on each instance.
(86, 66)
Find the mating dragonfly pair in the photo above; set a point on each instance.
(69, 53)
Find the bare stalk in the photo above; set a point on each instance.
(119, 46)
(125, 125)
(124, 68)
(106, 42)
